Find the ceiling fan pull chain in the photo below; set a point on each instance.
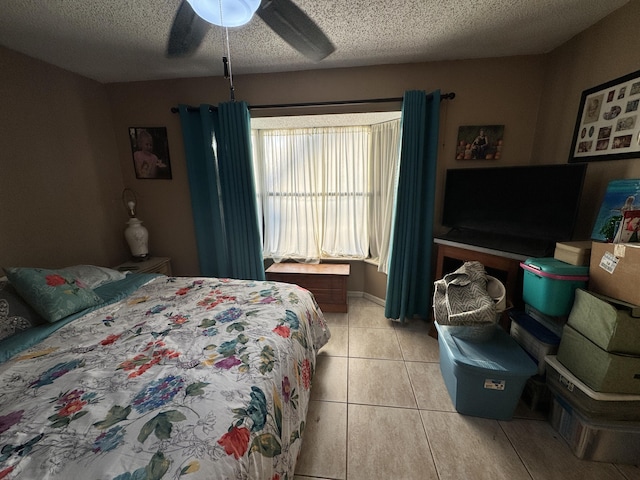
(228, 73)
(225, 64)
(226, 57)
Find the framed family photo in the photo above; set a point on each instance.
(150, 150)
(608, 127)
(480, 142)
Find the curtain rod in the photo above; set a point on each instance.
(444, 96)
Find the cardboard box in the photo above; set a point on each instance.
(615, 271)
(575, 253)
(613, 328)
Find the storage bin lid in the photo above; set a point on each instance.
(552, 267)
(571, 382)
(500, 355)
(535, 328)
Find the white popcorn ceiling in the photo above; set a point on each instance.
(125, 40)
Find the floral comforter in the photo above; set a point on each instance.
(186, 378)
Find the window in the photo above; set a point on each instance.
(318, 190)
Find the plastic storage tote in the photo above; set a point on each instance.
(484, 379)
(593, 405)
(549, 285)
(611, 442)
(537, 340)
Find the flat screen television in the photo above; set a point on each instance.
(519, 209)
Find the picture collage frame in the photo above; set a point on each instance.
(608, 123)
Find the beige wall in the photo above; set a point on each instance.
(60, 181)
(65, 155)
(608, 50)
(485, 93)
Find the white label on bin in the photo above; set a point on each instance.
(494, 384)
(619, 250)
(609, 262)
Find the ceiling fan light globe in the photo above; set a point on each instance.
(234, 12)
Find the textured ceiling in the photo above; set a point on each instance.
(125, 40)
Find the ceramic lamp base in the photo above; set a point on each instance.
(138, 239)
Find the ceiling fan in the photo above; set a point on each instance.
(284, 17)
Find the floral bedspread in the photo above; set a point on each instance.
(186, 378)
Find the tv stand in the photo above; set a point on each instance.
(505, 266)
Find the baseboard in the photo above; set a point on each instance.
(368, 296)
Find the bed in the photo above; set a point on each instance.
(159, 378)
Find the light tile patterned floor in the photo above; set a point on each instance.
(380, 410)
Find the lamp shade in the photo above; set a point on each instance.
(225, 13)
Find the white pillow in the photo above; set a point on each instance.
(93, 276)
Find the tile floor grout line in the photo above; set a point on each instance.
(346, 443)
(513, 446)
(433, 457)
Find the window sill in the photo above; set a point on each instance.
(370, 261)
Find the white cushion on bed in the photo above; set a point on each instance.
(93, 276)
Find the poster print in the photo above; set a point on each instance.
(481, 142)
(621, 196)
(608, 123)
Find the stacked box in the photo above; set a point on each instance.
(600, 345)
(612, 329)
(549, 284)
(484, 379)
(601, 370)
(615, 269)
(575, 253)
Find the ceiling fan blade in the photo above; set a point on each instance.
(187, 32)
(296, 28)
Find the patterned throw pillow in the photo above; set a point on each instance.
(15, 314)
(54, 294)
(93, 276)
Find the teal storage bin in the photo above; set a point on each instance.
(549, 284)
(484, 379)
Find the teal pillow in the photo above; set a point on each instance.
(54, 294)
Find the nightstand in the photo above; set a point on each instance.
(160, 265)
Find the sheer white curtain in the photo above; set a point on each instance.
(314, 189)
(385, 152)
